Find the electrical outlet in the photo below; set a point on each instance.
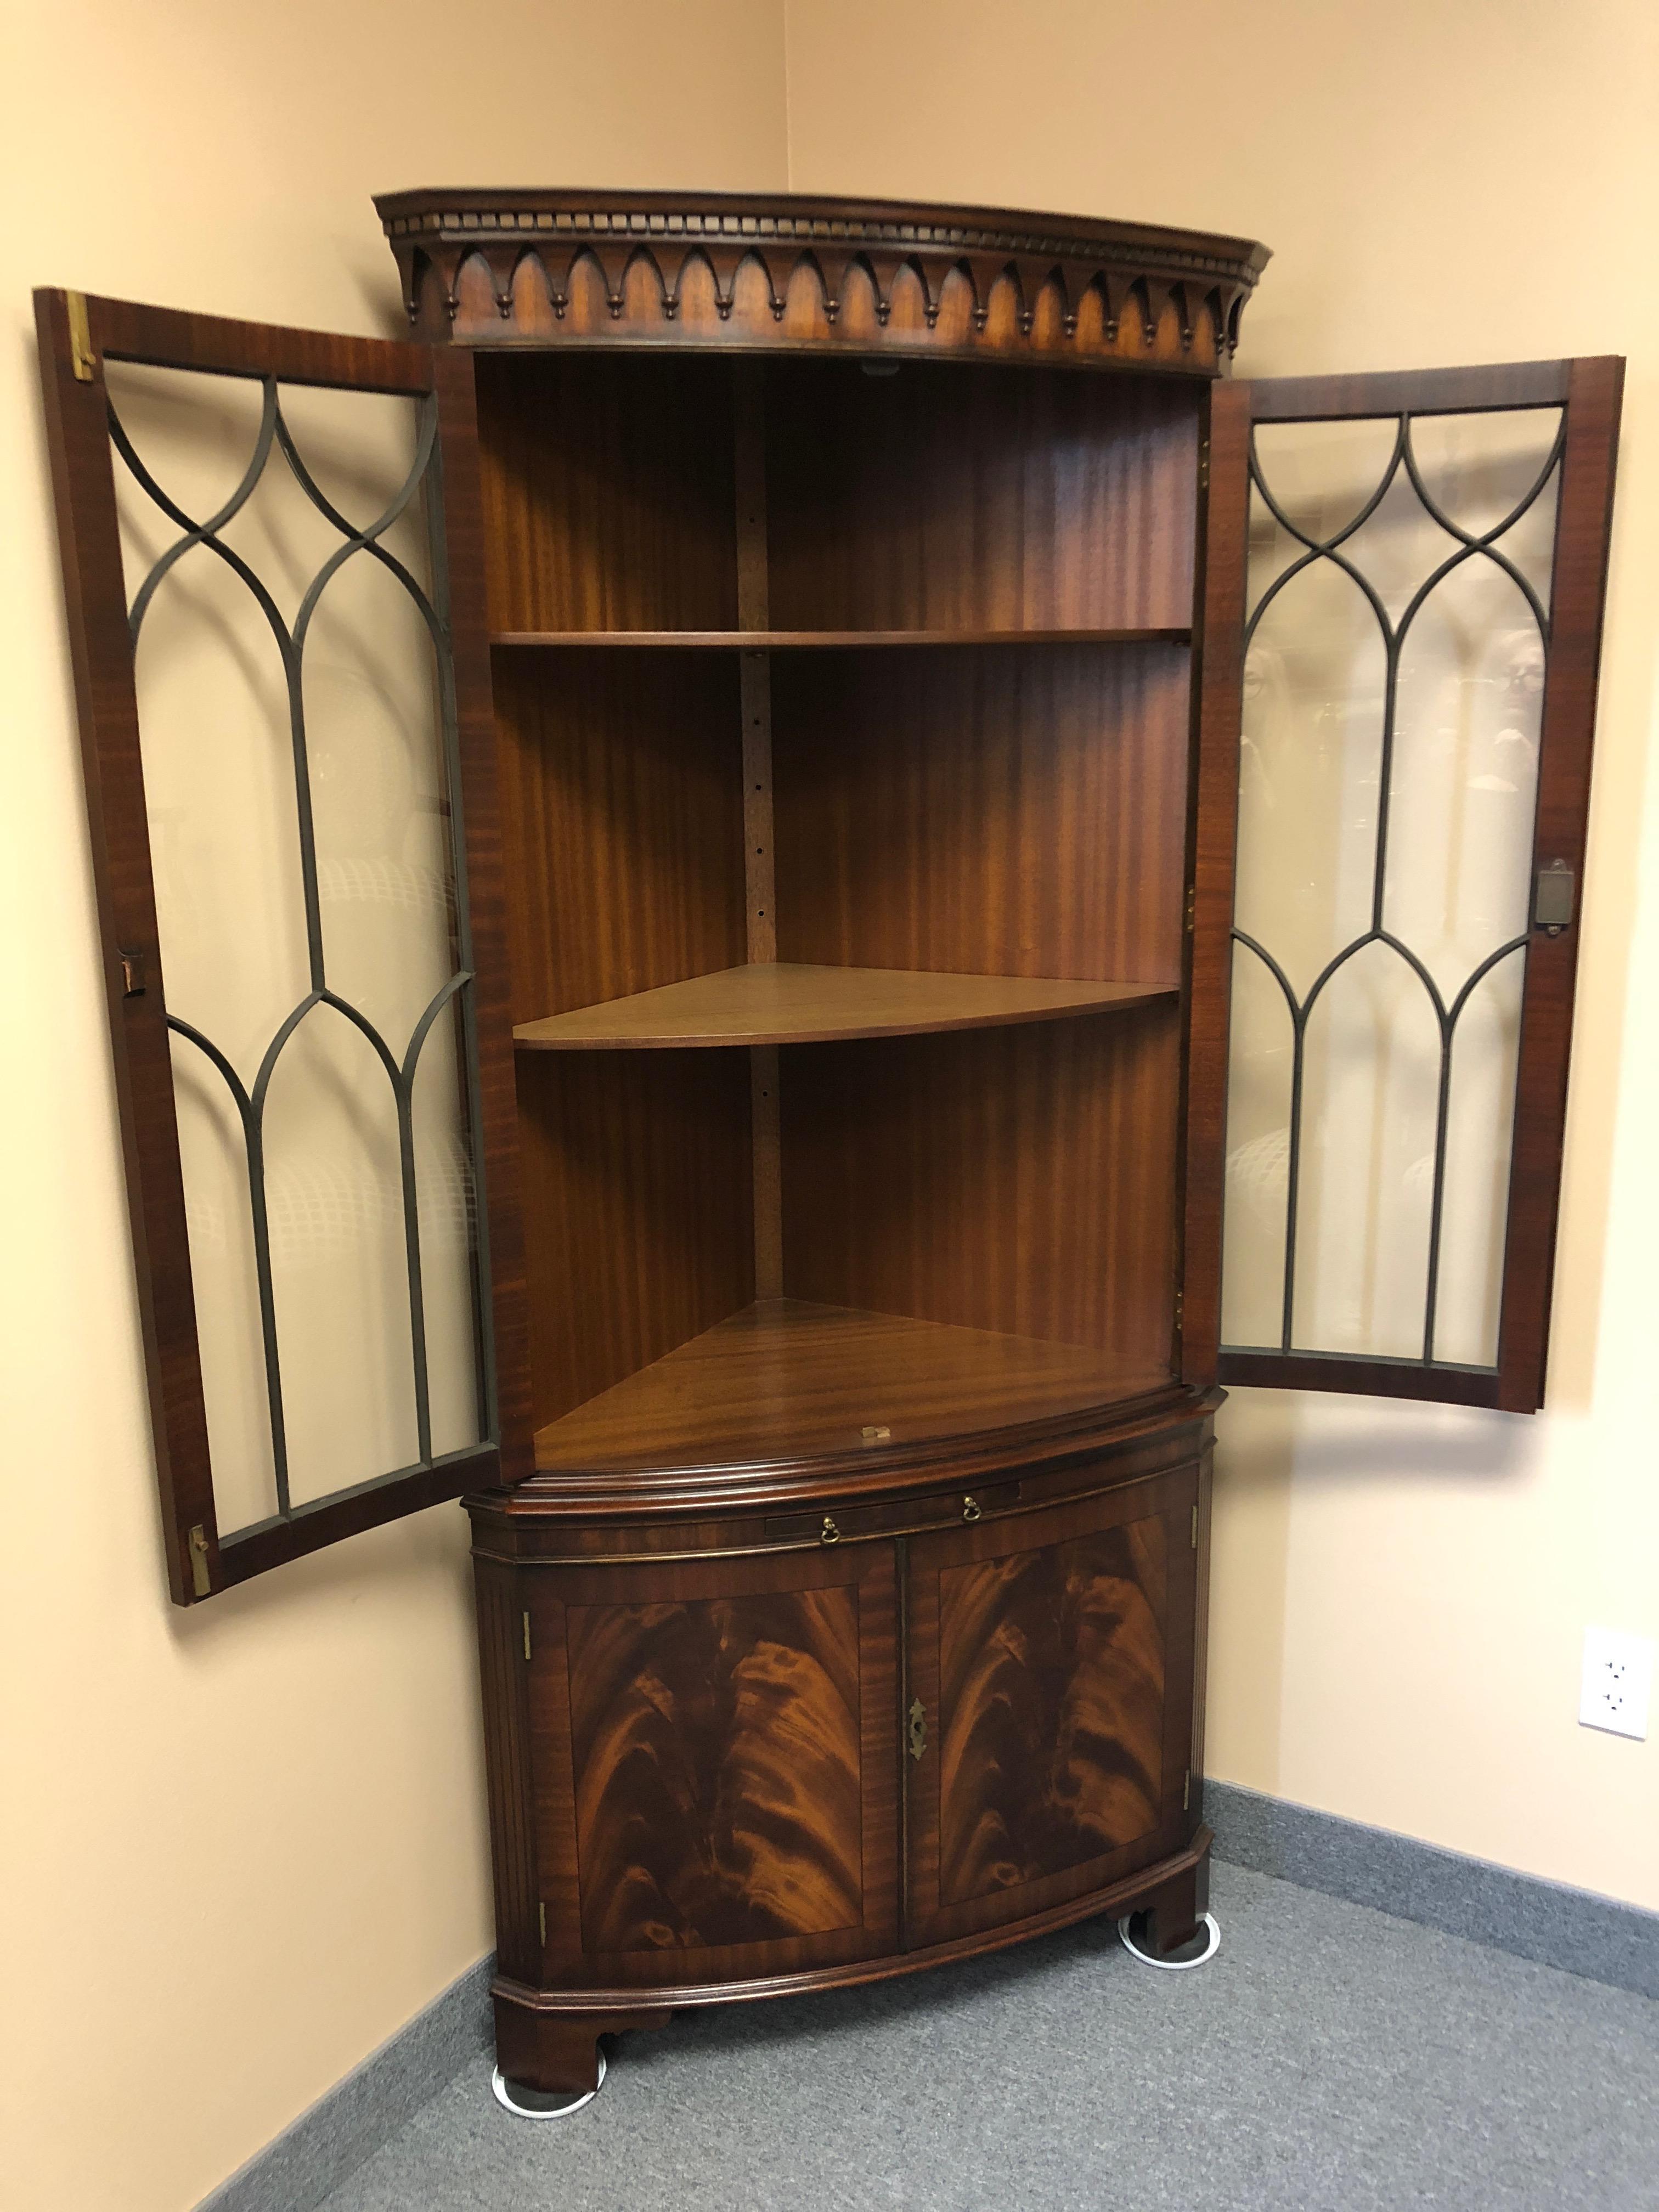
(1616, 1684)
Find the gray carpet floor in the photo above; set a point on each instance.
(1329, 2057)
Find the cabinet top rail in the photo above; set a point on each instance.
(750, 271)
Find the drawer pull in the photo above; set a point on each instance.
(829, 1533)
(971, 1508)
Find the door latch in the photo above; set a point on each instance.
(1553, 895)
(918, 1728)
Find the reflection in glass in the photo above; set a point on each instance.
(297, 732)
(1396, 647)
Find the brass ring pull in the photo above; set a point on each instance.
(829, 1533)
(971, 1508)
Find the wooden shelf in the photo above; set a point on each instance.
(787, 1004)
(772, 640)
(784, 1380)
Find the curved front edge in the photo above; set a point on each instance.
(548, 2038)
(783, 273)
(749, 1755)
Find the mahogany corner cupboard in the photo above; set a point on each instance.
(716, 873)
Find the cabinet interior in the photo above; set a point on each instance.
(847, 714)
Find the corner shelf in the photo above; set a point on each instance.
(786, 1378)
(792, 1003)
(771, 640)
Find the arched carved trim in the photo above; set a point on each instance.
(1208, 278)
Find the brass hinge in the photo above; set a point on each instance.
(1204, 464)
(81, 354)
(198, 1561)
(1181, 1309)
(918, 1728)
(1192, 905)
(541, 1912)
(1194, 1528)
(1187, 1792)
(526, 1636)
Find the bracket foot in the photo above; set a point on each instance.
(1197, 1951)
(526, 2103)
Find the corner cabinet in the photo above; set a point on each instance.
(717, 875)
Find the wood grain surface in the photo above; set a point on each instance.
(931, 498)
(1051, 1653)
(787, 1378)
(607, 493)
(1019, 1179)
(1006, 813)
(1579, 593)
(509, 1770)
(1218, 706)
(773, 1004)
(821, 640)
(780, 271)
(637, 1197)
(716, 1761)
(622, 818)
(1051, 1707)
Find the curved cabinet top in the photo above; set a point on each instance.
(742, 272)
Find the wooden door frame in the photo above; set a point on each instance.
(548, 1593)
(1174, 1496)
(76, 335)
(1589, 390)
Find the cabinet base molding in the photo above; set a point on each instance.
(557, 2051)
(547, 2039)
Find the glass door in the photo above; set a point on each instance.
(270, 544)
(1401, 625)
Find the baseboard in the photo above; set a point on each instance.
(1576, 1929)
(1559, 1926)
(317, 2152)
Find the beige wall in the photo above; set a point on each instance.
(240, 1847)
(1400, 1593)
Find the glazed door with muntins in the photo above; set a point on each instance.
(728, 1730)
(1048, 1705)
(272, 557)
(1401, 617)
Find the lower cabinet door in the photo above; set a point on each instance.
(1048, 1688)
(715, 1753)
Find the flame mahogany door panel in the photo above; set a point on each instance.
(1051, 1657)
(715, 1749)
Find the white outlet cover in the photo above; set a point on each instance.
(1618, 1682)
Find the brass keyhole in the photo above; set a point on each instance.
(918, 1729)
(971, 1508)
